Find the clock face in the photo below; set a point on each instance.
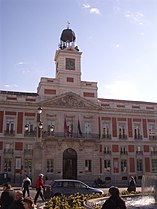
(70, 64)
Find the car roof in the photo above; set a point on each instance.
(68, 180)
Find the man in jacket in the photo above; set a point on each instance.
(25, 185)
(39, 187)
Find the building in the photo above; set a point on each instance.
(65, 131)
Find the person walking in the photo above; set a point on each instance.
(18, 202)
(39, 187)
(114, 201)
(25, 185)
(7, 196)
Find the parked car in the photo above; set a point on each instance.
(69, 186)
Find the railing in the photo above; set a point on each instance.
(138, 136)
(123, 136)
(107, 152)
(8, 151)
(9, 133)
(123, 152)
(106, 136)
(47, 134)
(30, 133)
(152, 137)
(28, 151)
(139, 152)
(154, 152)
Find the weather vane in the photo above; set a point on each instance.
(68, 24)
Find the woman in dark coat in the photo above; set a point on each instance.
(114, 201)
(7, 196)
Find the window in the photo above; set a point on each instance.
(87, 129)
(88, 165)
(139, 150)
(107, 150)
(7, 165)
(107, 166)
(29, 127)
(139, 165)
(69, 128)
(151, 128)
(137, 131)
(51, 127)
(122, 131)
(106, 130)
(124, 166)
(154, 165)
(50, 166)
(10, 125)
(28, 166)
(123, 150)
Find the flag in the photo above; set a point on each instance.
(65, 126)
(79, 128)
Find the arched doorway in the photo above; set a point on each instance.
(70, 164)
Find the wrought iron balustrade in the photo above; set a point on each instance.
(9, 133)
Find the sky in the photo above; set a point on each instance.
(118, 39)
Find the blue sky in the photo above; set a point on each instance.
(118, 39)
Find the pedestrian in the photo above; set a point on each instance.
(132, 185)
(18, 202)
(28, 203)
(114, 201)
(7, 196)
(25, 185)
(39, 187)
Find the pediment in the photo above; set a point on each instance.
(70, 100)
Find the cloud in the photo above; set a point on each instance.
(86, 6)
(136, 17)
(92, 10)
(95, 10)
(20, 63)
(121, 90)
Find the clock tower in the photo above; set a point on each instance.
(68, 62)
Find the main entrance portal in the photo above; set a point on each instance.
(70, 164)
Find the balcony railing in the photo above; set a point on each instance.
(154, 152)
(139, 152)
(9, 133)
(107, 152)
(138, 136)
(123, 152)
(8, 151)
(152, 137)
(28, 151)
(106, 136)
(32, 133)
(47, 134)
(123, 136)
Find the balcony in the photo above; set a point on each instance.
(106, 136)
(123, 136)
(8, 151)
(139, 152)
(28, 151)
(138, 137)
(32, 133)
(107, 152)
(47, 135)
(123, 152)
(154, 152)
(152, 137)
(9, 133)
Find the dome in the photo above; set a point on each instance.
(68, 35)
